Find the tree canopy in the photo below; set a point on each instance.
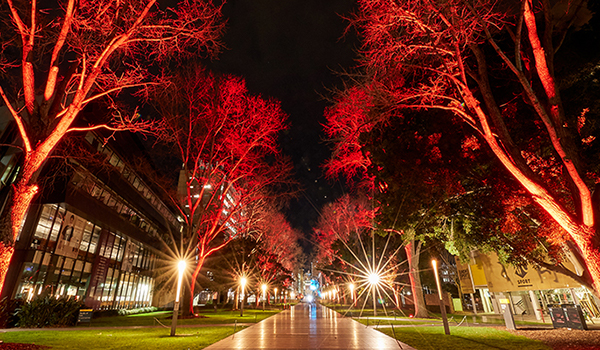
(491, 67)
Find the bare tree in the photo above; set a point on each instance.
(226, 141)
(56, 61)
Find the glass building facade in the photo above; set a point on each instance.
(73, 257)
(93, 238)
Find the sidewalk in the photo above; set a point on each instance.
(309, 326)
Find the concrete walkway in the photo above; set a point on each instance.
(308, 326)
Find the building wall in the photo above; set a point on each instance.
(93, 235)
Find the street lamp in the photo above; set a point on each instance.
(243, 283)
(181, 268)
(442, 306)
(352, 292)
(275, 295)
(264, 289)
(374, 281)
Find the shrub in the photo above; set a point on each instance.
(48, 311)
(142, 310)
(8, 312)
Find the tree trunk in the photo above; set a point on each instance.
(189, 310)
(412, 255)
(397, 290)
(589, 244)
(20, 199)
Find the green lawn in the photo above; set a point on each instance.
(463, 338)
(147, 339)
(210, 317)
(374, 322)
(391, 314)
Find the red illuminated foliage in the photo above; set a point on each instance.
(346, 221)
(471, 59)
(338, 222)
(346, 120)
(55, 61)
(226, 142)
(279, 241)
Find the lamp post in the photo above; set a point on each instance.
(374, 281)
(243, 285)
(264, 290)
(181, 268)
(275, 296)
(352, 293)
(442, 306)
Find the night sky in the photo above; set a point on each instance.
(292, 50)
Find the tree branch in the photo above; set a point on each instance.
(19, 121)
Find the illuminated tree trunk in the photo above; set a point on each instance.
(412, 255)
(397, 291)
(189, 308)
(21, 196)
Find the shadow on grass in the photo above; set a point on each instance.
(485, 344)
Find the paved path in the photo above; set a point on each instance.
(308, 326)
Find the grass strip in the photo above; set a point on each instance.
(147, 339)
(463, 338)
(207, 317)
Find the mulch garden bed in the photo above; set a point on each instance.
(564, 339)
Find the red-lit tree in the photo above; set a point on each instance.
(226, 142)
(492, 66)
(56, 61)
(339, 251)
(338, 222)
(348, 121)
(278, 240)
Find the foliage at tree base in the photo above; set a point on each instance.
(49, 311)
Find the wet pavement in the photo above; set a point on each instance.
(308, 326)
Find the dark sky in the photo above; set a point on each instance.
(290, 50)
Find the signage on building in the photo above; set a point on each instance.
(100, 270)
(508, 278)
(464, 276)
(85, 315)
(69, 237)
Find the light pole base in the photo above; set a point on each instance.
(174, 322)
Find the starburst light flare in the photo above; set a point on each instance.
(371, 278)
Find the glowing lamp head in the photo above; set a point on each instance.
(243, 281)
(264, 288)
(181, 266)
(351, 286)
(374, 278)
